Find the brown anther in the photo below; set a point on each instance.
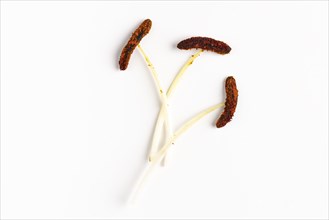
(230, 102)
(134, 40)
(204, 43)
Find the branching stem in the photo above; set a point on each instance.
(162, 112)
(159, 156)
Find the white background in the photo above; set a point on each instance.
(75, 130)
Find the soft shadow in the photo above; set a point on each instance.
(174, 46)
(126, 193)
(127, 189)
(222, 108)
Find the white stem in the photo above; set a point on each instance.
(140, 182)
(179, 75)
(161, 115)
(182, 130)
(160, 155)
(157, 130)
(163, 96)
